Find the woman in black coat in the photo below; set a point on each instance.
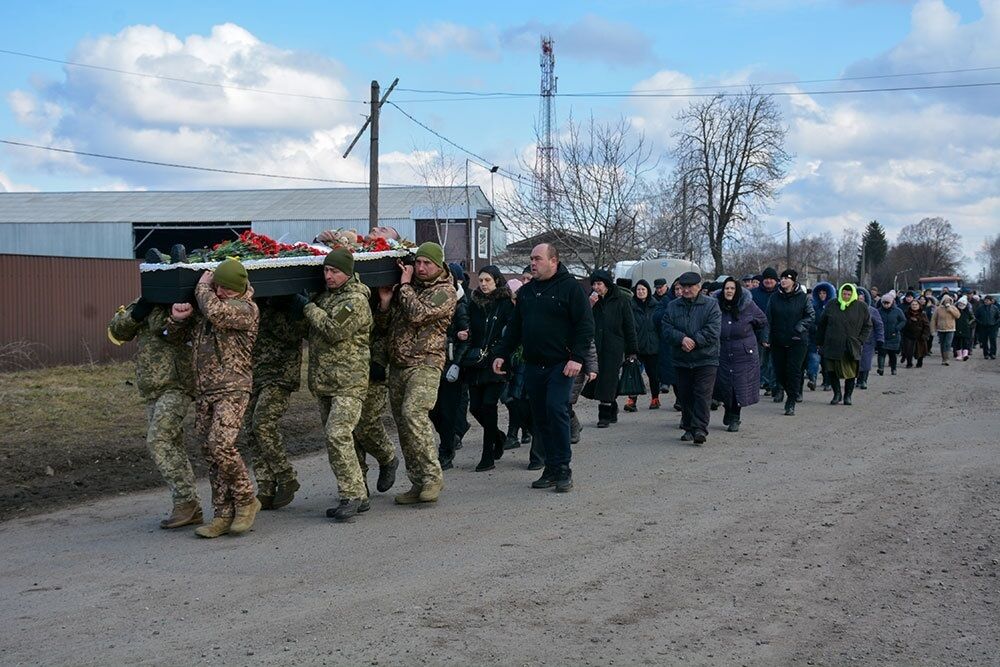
(614, 336)
(647, 335)
(840, 336)
(490, 309)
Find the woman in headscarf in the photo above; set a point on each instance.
(647, 342)
(916, 331)
(490, 310)
(840, 337)
(737, 383)
(962, 343)
(873, 343)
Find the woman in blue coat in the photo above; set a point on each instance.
(822, 294)
(874, 342)
(893, 321)
(737, 383)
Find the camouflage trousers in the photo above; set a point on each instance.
(268, 457)
(165, 440)
(217, 422)
(340, 416)
(412, 394)
(369, 435)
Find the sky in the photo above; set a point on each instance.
(892, 156)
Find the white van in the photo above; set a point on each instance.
(668, 268)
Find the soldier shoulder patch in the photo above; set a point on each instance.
(342, 314)
(439, 298)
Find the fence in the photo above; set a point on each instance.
(55, 310)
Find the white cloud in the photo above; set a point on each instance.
(443, 38)
(7, 185)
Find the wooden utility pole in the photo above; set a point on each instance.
(788, 245)
(372, 121)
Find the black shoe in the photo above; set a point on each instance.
(447, 464)
(678, 407)
(614, 412)
(484, 465)
(546, 481)
(525, 438)
(825, 387)
(726, 418)
(849, 386)
(154, 256)
(284, 493)
(909, 365)
(779, 396)
(603, 415)
(920, 364)
(699, 438)
(511, 442)
(345, 511)
(812, 385)
(862, 385)
(687, 437)
(847, 400)
(790, 409)
(387, 475)
(178, 254)
(458, 443)
(892, 372)
(364, 506)
(536, 466)
(734, 426)
(564, 480)
(880, 371)
(767, 392)
(714, 405)
(498, 446)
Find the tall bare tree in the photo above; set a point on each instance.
(443, 175)
(989, 255)
(731, 156)
(600, 195)
(930, 247)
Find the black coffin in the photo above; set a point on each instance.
(176, 285)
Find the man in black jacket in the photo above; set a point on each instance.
(553, 325)
(790, 315)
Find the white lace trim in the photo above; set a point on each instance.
(274, 262)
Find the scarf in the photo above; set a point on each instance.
(840, 295)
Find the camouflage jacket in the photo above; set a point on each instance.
(277, 354)
(417, 322)
(340, 323)
(161, 363)
(223, 337)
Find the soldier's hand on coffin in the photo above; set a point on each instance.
(141, 310)
(407, 276)
(297, 304)
(206, 278)
(181, 311)
(385, 296)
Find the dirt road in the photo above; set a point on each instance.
(856, 535)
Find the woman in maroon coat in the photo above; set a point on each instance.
(916, 331)
(737, 383)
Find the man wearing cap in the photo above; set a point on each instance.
(791, 316)
(747, 282)
(693, 324)
(762, 296)
(222, 347)
(660, 288)
(416, 314)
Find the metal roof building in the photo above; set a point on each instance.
(123, 225)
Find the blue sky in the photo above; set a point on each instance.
(895, 157)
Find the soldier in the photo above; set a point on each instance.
(340, 322)
(277, 372)
(165, 378)
(416, 314)
(223, 337)
(370, 436)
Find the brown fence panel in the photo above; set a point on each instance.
(57, 309)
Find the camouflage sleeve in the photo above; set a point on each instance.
(342, 322)
(122, 327)
(225, 314)
(179, 331)
(432, 304)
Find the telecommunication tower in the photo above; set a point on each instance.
(546, 155)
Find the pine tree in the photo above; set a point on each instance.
(874, 248)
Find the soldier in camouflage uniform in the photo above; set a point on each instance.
(223, 337)
(165, 378)
(370, 436)
(416, 315)
(277, 372)
(340, 323)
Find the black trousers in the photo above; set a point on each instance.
(694, 393)
(483, 404)
(444, 416)
(651, 364)
(892, 359)
(788, 363)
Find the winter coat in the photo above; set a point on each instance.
(647, 333)
(789, 317)
(664, 355)
(455, 348)
(162, 363)
(614, 335)
(841, 333)
(945, 318)
(699, 319)
(417, 322)
(489, 315)
(875, 339)
(340, 324)
(762, 297)
(819, 307)
(738, 378)
(917, 327)
(893, 322)
(963, 325)
(988, 316)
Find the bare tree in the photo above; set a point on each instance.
(730, 153)
(600, 204)
(443, 175)
(847, 255)
(989, 255)
(930, 247)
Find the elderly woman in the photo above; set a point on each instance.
(840, 337)
(916, 330)
(614, 336)
(737, 383)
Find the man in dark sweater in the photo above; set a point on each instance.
(790, 315)
(553, 325)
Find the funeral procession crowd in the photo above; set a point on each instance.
(430, 351)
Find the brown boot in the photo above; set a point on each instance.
(431, 492)
(411, 497)
(184, 514)
(219, 526)
(243, 520)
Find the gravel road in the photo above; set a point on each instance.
(863, 535)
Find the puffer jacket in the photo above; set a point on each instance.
(417, 322)
(161, 363)
(340, 324)
(893, 321)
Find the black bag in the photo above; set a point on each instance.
(589, 390)
(630, 382)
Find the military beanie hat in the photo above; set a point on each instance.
(432, 251)
(231, 275)
(341, 259)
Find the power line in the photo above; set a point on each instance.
(192, 167)
(175, 79)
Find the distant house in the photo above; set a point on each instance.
(575, 251)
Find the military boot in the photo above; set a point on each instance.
(220, 526)
(387, 475)
(411, 497)
(184, 514)
(430, 492)
(245, 515)
(346, 510)
(284, 494)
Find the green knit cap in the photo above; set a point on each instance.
(231, 275)
(432, 251)
(341, 259)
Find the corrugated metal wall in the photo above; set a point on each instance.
(60, 306)
(68, 239)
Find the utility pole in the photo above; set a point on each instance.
(788, 244)
(838, 266)
(372, 122)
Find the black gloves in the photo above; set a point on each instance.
(141, 310)
(297, 304)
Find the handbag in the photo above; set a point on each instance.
(630, 383)
(589, 390)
